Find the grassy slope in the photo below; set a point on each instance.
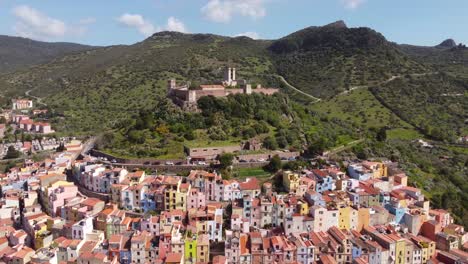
(437, 104)
(362, 109)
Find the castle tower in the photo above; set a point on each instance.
(228, 76)
(171, 85)
(233, 74)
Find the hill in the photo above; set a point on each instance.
(17, 53)
(447, 56)
(88, 87)
(325, 61)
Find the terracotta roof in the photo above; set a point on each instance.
(173, 257)
(91, 202)
(249, 184)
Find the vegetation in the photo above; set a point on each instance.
(274, 165)
(435, 104)
(12, 153)
(369, 87)
(325, 61)
(164, 131)
(225, 160)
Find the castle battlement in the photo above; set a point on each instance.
(187, 97)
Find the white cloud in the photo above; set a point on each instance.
(352, 4)
(174, 24)
(223, 10)
(137, 21)
(34, 24)
(250, 34)
(146, 28)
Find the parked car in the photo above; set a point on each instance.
(261, 160)
(242, 161)
(169, 163)
(201, 163)
(114, 161)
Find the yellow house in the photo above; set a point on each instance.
(202, 227)
(378, 169)
(291, 181)
(363, 218)
(344, 217)
(428, 247)
(183, 189)
(303, 208)
(348, 218)
(400, 249)
(203, 249)
(40, 235)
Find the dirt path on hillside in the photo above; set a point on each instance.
(298, 90)
(394, 77)
(38, 99)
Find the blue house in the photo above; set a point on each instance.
(315, 198)
(399, 212)
(125, 257)
(148, 203)
(324, 182)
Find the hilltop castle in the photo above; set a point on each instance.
(187, 97)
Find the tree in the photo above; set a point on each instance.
(225, 160)
(318, 146)
(381, 134)
(274, 165)
(12, 153)
(270, 143)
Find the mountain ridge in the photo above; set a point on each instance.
(18, 53)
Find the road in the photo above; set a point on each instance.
(297, 90)
(343, 147)
(394, 77)
(38, 99)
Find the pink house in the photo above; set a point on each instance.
(26, 124)
(57, 196)
(442, 217)
(196, 199)
(43, 128)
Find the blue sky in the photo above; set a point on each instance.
(106, 22)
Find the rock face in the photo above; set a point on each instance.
(337, 24)
(448, 43)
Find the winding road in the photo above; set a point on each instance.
(394, 77)
(38, 99)
(298, 90)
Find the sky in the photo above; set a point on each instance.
(110, 22)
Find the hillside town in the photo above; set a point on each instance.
(74, 208)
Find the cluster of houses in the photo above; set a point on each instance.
(39, 145)
(21, 115)
(28, 125)
(367, 214)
